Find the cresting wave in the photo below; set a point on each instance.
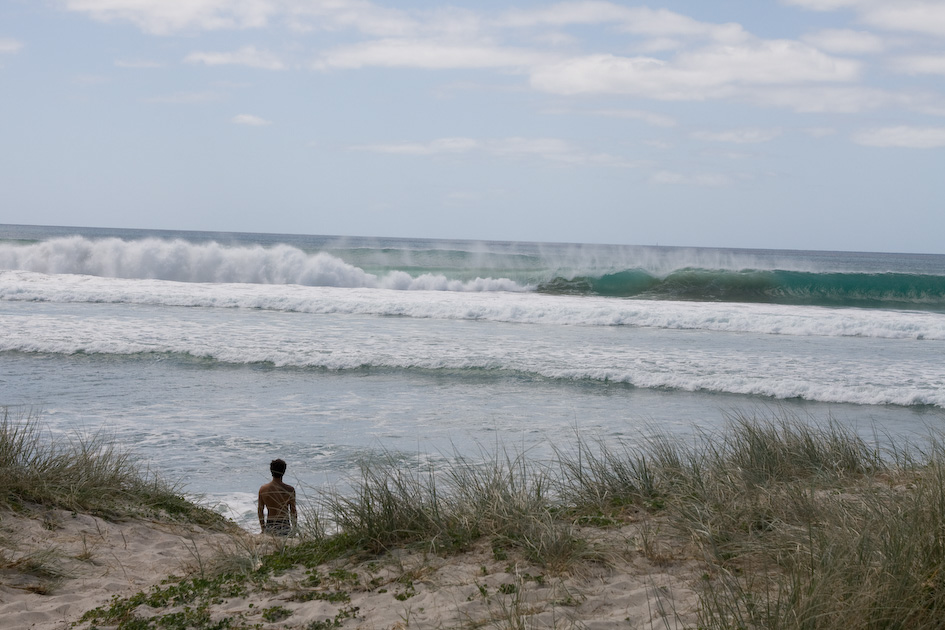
(888, 290)
(509, 307)
(441, 270)
(182, 261)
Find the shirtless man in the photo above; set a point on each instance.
(278, 500)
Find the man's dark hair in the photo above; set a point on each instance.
(277, 468)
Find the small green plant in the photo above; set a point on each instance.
(343, 576)
(334, 597)
(276, 613)
(334, 622)
(408, 592)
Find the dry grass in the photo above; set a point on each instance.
(85, 473)
(798, 524)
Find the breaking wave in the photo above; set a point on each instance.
(675, 275)
(183, 261)
(888, 289)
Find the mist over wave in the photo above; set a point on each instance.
(689, 274)
(211, 262)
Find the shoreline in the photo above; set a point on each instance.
(773, 523)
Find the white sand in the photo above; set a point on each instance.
(619, 586)
(94, 559)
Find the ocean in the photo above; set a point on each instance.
(209, 354)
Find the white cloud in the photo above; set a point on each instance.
(164, 17)
(710, 60)
(845, 41)
(552, 149)
(707, 73)
(362, 16)
(748, 135)
(8, 45)
(657, 45)
(567, 13)
(656, 23)
(184, 98)
(920, 64)
(249, 119)
(768, 62)
(249, 56)
(919, 16)
(709, 180)
(427, 54)
(834, 99)
(907, 15)
(824, 5)
(902, 137)
(650, 118)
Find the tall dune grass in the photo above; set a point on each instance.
(503, 498)
(799, 524)
(82, 473)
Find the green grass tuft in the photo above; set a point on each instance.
(85, 473)
(797, 524)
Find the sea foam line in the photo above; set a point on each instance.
(351, 346)
(510, 307)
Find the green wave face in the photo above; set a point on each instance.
(888, 290)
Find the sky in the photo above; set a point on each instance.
(783, 124)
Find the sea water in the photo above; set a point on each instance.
(210, 354)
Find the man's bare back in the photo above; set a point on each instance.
(276, 507)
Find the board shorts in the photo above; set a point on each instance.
(280, 527)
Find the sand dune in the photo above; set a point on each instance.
(61, 564)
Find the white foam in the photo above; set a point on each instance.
(481, 304)
(346, 335)
(182, 261)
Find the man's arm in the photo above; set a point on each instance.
(259, 513)
(292, 511)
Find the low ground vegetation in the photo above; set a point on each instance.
(797, 524)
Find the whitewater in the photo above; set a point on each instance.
(213, 353)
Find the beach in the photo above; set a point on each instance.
(410, 588)
(579, 315)
(213, 353)
(482, 434)
(775, 523)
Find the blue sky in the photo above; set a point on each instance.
(799, 124)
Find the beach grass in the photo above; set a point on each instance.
(87, 473)
(794, 523)
(799, 524)
(502, 497)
